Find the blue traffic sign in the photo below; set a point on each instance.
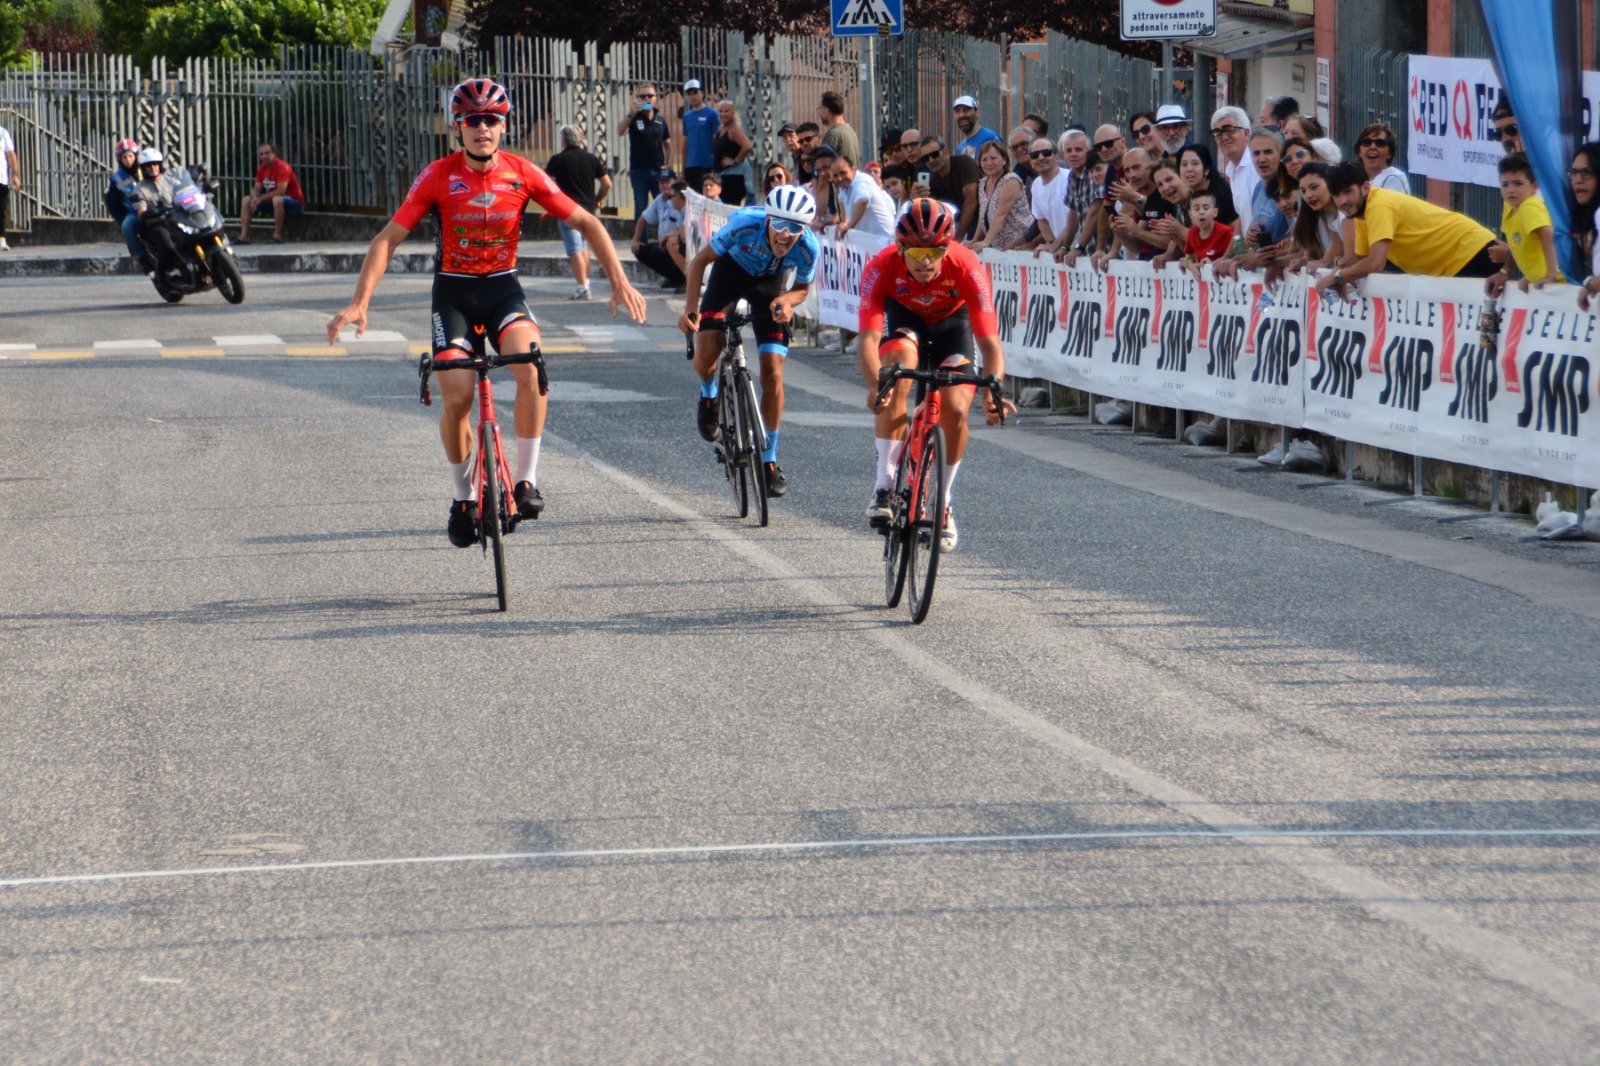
(862, 18)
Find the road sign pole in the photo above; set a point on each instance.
(869, 98)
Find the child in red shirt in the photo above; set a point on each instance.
(1209, 240)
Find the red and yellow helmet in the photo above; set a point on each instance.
(926, 224)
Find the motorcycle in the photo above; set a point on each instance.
(205, 257)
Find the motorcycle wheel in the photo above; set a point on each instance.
(168, 293)
(226, 273)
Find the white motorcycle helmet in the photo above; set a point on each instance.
(151, 155)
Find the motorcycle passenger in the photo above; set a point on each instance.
(118, 199)
(152, 200)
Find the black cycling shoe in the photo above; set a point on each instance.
(530, 501)
(777, 481)
(463, 526)
(707, 416)
(879, 513)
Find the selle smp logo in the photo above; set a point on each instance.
(1555, 384)
(1339, 355)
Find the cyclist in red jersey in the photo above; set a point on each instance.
(478, 196)
(924, 299)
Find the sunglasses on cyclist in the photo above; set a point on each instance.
(787, 225)
(482, 120)
(924, 255)
(1505, 131)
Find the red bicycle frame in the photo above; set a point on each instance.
(490, 430)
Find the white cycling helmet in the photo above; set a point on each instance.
(792, 202)
(151, 155)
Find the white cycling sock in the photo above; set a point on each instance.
(886, 464)
(462, 487)
(528, 459)
(950, 479)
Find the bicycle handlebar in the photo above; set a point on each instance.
(888, 375)
(482, 364)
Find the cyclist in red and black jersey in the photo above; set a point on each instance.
(924, 299)
(478, 196)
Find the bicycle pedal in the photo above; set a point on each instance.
(718, 455)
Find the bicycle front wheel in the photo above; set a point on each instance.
(752, 444)
(895, 553)
(732, 442)
(927, 522)
(493, 513)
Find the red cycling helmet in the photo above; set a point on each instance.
(926, 224)
(479, 96)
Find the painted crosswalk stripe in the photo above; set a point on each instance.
(64, 354)
(7, 350)
(127, 345)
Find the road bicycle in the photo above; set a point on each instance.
(911, 545)
(497, 512)
(744, 436)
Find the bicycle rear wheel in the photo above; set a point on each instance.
(753, 443)
(927, 521)
(895, 554)
(732, 439)
(493, 513)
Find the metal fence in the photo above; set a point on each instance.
(357, 129)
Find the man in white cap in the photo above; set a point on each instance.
(1172, 125)
(699, 131)
(973, 136)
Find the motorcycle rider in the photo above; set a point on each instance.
(118, 200)
(151, 201)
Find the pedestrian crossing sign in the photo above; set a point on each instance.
(864, 18)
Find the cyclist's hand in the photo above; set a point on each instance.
(628, 296)
(994, 416)
(354, 313)
(781, 312)
(689, 323)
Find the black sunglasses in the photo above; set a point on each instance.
(1101, 146)
(1020, 146)
(1581, 173)
(935, 154)
(482, 120)
(1043, 153)
(1507, 131)
(1381, 142)
(1142, 130)
(1223, 131)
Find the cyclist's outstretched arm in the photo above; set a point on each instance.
(691, 296)
(379, 252)
(621, 292)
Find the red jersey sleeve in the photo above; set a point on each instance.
(544, 191)
(424, 193)
(876, 282)
(972, 281)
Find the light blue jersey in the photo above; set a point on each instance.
(744, 240)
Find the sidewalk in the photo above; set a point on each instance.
(543, 259)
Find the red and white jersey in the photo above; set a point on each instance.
(480, 211)
(962, 281)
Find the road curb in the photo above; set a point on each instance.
(284, 262)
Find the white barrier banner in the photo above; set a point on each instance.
(1449, 104)
(1541, 390)
(838, 285)
(701, 219)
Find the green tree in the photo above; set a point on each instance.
(11, 27)
(252, 28)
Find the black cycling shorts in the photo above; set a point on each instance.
(468, 310)
(945, 343)
(729, 282)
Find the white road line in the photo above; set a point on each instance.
(5, 348)
(141, 345)
(248, 340)
(1206, 836)
(1495, 952)
(372, 336)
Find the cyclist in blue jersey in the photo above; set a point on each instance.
(767, 255)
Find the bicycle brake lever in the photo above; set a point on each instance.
(544, 379)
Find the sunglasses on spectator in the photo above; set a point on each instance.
(1378, 141)
(1043, 153)
(1101, 146)
(1142, 130)
(807, 138)
(482, 120)
(924, 255)
(929, 156)
(1506, 131)
(1581, 173)
(787, 225)
(1223, 131)
(1020, 146)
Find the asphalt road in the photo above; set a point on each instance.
(1187, 765)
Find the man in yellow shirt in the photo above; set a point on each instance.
(1417, 236)
(1526, 223)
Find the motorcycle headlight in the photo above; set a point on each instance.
(185, 227)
